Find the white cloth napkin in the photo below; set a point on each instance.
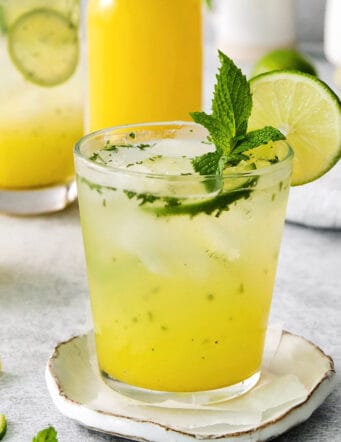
(317, 204)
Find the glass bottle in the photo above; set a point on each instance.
(144, 61)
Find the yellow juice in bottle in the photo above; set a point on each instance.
(145, 61)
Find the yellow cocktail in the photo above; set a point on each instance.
(181, 267)
(145, 61)
(41, 114)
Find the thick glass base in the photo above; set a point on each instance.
(37, 201)
(197, 397)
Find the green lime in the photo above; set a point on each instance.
(3, 426)
(43, 45)
(307, 111)
(283, 59)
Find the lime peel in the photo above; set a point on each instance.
(285, 58)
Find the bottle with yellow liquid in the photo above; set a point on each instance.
(144, 61)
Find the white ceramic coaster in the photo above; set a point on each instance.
(295, 380)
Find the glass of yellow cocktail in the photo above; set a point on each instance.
(181, 266)
(40, 104)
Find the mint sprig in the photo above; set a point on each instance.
(47, 435)
(228, 123)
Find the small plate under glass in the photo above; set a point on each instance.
(295, 380)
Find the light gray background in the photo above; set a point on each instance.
(310, 20)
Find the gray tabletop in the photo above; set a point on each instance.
(43, 295)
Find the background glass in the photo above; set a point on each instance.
(40, 104)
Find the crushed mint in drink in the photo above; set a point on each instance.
(166, 157)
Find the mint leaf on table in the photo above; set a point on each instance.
(227, 125)
(47, 435)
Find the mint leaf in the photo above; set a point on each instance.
(47, 435)
(257, 138)
(232, 101)
(219, 134)
(231, 109)
(234, 159)
(227, 126)
(208, 164)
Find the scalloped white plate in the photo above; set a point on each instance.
(294, 383)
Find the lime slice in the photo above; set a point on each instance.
(13, 9)
(307, 111)
(44, 46)
(3, 426)
(233, 190)
(214, 205)
(283, 59)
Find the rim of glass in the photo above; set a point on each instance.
(117, 170)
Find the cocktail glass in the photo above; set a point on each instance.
(41, 115)
(181, 267)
